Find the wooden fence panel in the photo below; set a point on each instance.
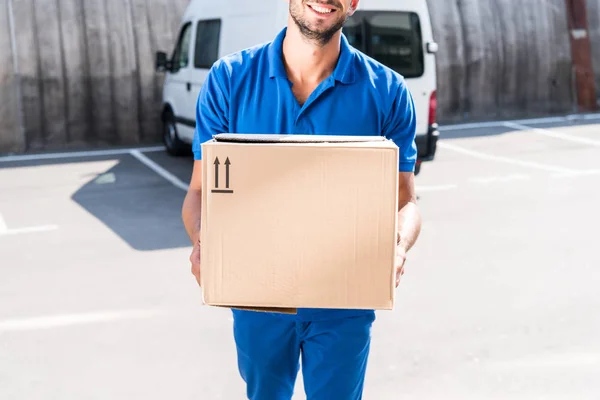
(594, 25)
(78, 113)
(86, 71)
(51, 79)
(502, 59)
(11, 138)
(30, 82)
(123, 82)
(86, 67)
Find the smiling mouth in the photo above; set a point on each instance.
(320, 9)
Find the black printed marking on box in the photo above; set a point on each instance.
(217, 164)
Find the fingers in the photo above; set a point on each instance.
(195, 261)
(399, 273)
(196, 272)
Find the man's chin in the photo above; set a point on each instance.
(319, 31)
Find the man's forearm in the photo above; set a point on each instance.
(192, 214)
(409, 225)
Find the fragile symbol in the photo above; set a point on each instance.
(227, 164)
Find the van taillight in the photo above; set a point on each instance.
(432, 107)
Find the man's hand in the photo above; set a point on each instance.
(195, 260)
(400, 260)
(191, 213)
(409, 220)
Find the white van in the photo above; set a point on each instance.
(396, 33)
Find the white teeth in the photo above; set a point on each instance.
(322, 10)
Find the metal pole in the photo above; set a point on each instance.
(581, 54)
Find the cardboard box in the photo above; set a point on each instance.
(296, 221)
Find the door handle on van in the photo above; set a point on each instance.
(189, 86)
(432, 47)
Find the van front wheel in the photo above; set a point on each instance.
(173, 144)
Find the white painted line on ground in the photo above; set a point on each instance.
(438, 188)
(553, 134)
(506, 160)
(3, 226)
(57, 321)
(496, 124)
(79, 154)
(5, 231)
(507, 178)
(159, 170)
(30, 229)
(589, 172)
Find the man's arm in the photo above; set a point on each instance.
(191, 211)
(409, 217)
(212, 117)
(212, 110)
(401, 128)
(409, 220)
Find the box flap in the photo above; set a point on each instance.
(290, 138)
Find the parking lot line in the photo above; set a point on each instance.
(5, 231)
(496, 124)
(61, 320)
(30, 229)
(3, 226)
(438, 188)
(79, 154)
(506, 160)
(553, 134)
(589, 172)
(159, 170)
(507, 178)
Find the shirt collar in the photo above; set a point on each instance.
(343, 72)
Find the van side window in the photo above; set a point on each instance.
(392, 38)
(181, 55)
(208, 35)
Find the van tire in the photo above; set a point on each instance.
(173, 144)
(417, 169)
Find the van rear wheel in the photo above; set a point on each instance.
(173, 144)
(417, 168)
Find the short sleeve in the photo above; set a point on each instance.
(401, 127)
(212, 108)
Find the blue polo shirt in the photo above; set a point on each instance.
(249, 92)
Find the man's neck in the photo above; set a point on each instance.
(307, 61)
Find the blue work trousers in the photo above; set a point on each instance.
(333, 351)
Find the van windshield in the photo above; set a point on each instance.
(392, 38)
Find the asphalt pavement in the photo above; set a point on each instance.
(500, 299)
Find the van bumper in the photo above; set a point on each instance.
(426, 146)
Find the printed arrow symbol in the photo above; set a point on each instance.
(227, 164)
(217, 163)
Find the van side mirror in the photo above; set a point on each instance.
(162, 62)
(432, 47)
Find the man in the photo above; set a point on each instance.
(307, 80)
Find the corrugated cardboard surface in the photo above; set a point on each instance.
(299, 222)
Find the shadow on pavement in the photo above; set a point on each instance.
(134, 202)
(448, 132)
(138, 205)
